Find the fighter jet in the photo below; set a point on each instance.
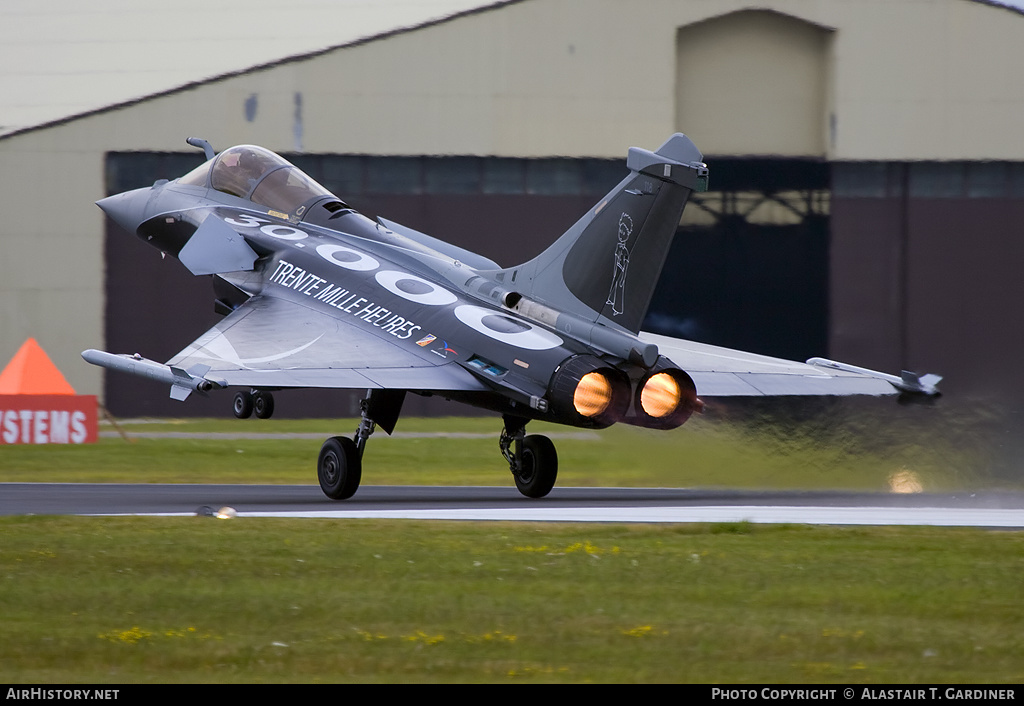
(314, 294)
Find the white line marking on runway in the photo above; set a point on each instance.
(940, 517)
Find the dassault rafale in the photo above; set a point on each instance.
(314, 294)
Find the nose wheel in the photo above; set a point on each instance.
(532, 459)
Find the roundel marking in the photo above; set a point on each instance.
(345, 257)
(506, 329)
(504, 324)
(284, 232)
(415, 289)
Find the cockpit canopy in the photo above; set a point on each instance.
(261, 176)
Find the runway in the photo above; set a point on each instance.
(980, 509)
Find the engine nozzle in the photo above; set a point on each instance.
(588, 392)
(665, 398)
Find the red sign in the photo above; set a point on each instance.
(48, 419)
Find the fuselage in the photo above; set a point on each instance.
(312, 249)
(375, 280)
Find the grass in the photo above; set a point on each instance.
(718, 450)
(137, 600)
(130, 600)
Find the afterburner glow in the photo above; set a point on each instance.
(660, 395)
(593, 395)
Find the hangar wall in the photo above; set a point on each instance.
(527, 79)
(926, 269)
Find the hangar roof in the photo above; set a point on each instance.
(64, 58)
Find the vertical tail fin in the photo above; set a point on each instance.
(605, 267)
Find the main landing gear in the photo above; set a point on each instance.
(248, 402)
(532, 459)
(339, 468)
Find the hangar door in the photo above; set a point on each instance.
(754, 82)
(749, 266)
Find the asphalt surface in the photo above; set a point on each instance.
(981, 509)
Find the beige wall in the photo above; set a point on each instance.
(904, 79)
(891, 80)
(757, 81)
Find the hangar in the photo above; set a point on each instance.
(867, 174)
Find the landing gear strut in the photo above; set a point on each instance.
(532, 459)
(339, 467)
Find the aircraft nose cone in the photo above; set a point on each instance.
(127, 209)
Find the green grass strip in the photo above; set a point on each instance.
(707, 452)
(135, 600)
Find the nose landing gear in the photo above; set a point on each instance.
(248, 402)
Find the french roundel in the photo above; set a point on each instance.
(348, 258)
(506, 329)
(415, 289)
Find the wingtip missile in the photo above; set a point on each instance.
(906, 382)
(920, 384)
(183, 382)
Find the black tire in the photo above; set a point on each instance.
(243, 404)
(536, 477)
(263, 405)
(339, 468)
